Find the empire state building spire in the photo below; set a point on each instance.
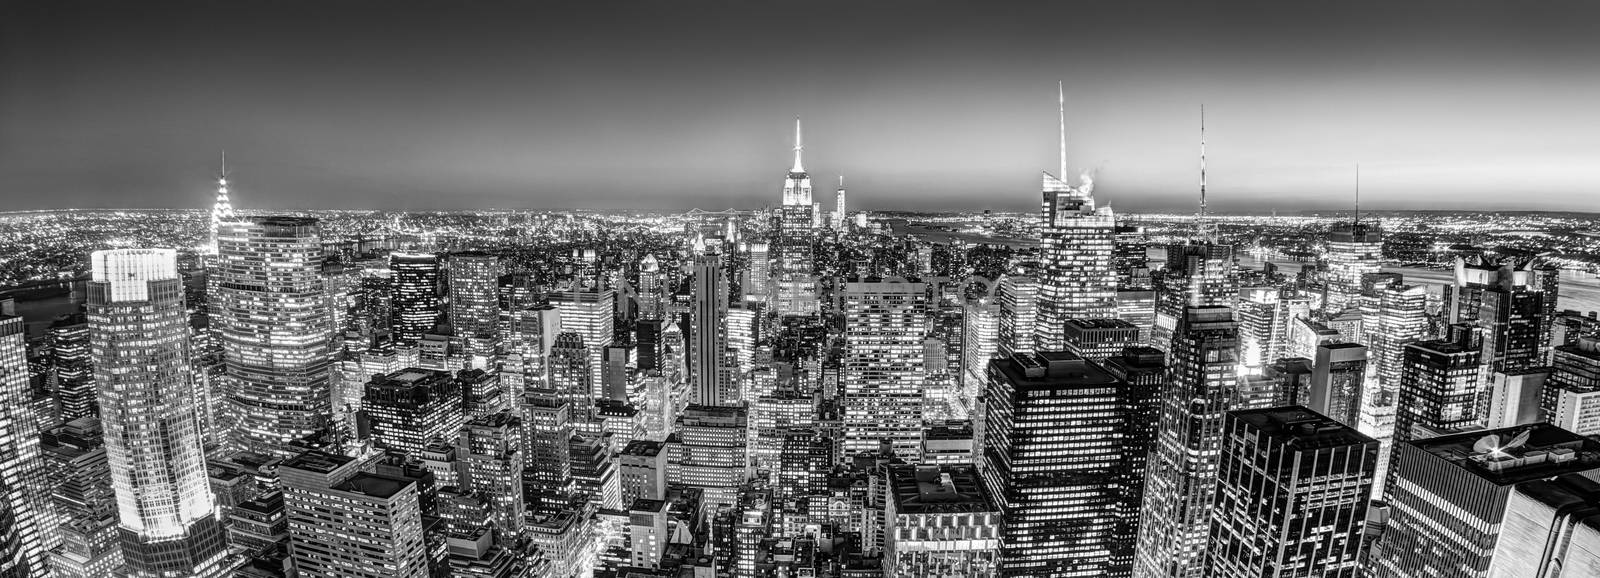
(798, 147)
(223, 209)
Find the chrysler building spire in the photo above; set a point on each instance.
(222, 210)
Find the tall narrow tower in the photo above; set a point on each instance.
(709, 334)
(222, 209)
(1077, 241)
(149, 410)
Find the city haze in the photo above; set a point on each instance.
(925, 105)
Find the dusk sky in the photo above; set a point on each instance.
(920, 105)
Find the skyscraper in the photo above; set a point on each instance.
(980, 342)
(1449, 495)
(1439, 386)
(709, 452)
(568, 373)
(590, 313)
(271, 314)
(883, 373)
(415, 295)
(652, 288)
(1198, 274)
(346, 522)
(796, 220)
(140, 350)
(1337, 382)
(1354, 252)
(940, 521)
(221, 209)
(1076, 242)
(1181, 477)
(410, 407)
(69, 357)
(1292, 493)
(1571, 396)
(1507, 302)
(1549, 529)
(712, 381)
(1068, 512)
(475, 304)
(840, 216)
(1018, 296)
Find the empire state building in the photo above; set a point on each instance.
(797, 225)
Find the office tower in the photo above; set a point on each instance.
(1439, 386)
(941, 521)
(1354, 252)
(1292, 493)
(530, 335)
(1505, 300)
(1182, 474)
(270, 312)
(1098, 339)
(883, 369)
(1136, 295)
(482, 392)
(568, 374)
(1068, 513)
(26, 497)
(1337, 382)
(408, 408)
(1514, 398)
(69, 358)
(1449, 495)
(414, 295)
(944, 445)
(1571, 398)
(547, 425)
(1547, 281)
(590, 314)
(772, 417)
(642, 471)
(759, 258)
(1402, 319)
(489, 449)
(1551, 528)
(1076, 245)
(650, 346)
(1265, 317)
(797, 216)
(346, 522)
(1198, 274)
(475, 304)
(140, 349)
(1018, 296)
(594, 472)
(980, 342)
(840, 216)
(652, 289)
(744, 331)
(708, 334)
(1130, 258)
(709, 452)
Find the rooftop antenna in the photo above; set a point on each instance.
(1061, 108)
(1358, 193)
(798, 146)
(1205, 231)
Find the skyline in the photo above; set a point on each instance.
(1484, 106)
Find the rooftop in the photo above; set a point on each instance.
(1516, 454)
(317, 461)
(937, 489)
(1053, 369)
(1302, 427)
(373, 485)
